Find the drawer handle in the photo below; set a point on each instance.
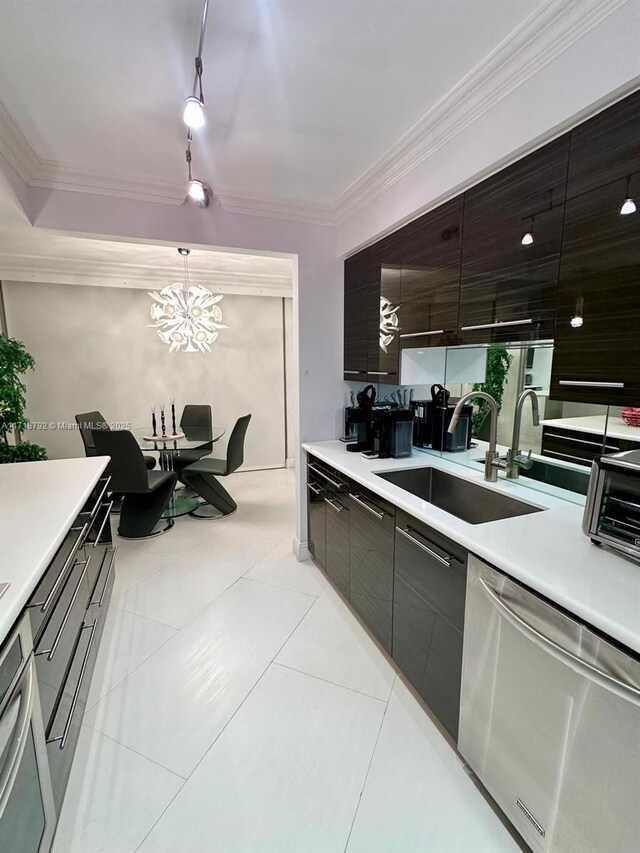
(580, 459)
(96, 507)
(46, 603)
(335, 506)
(51, 652)
(314, 489)
(112, 551)
(355, 372)
(530, 321)
(421, 334)
(76, 694)
(572, 440)
(378, 372)
(407, 534)
(580, 384)
(102, 526)
(321, 473)
(359, 500)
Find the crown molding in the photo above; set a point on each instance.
(543, 36)
(538, 40)
(43, 269)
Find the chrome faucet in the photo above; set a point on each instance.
(492, 459)
(515, 459)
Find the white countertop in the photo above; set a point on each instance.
(545, 550)
(615, 428)
(38, 503)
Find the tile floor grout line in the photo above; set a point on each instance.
(145, 618)
(223, 729)
(366, 775)
(135, 751)
(279, 586)
(327, 681)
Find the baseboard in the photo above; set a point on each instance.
(290, 463)
(301, 549)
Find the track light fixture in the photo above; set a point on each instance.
(629, 205)
(577, 320)
(193, 116)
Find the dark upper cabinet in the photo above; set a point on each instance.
(597, 361)
(361, 290)
(508, 290)
(384, 350)
(606, 148)
(429, 252)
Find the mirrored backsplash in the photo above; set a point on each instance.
(563, 442)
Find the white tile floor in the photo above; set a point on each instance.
(238, 705)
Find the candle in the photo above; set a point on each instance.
(173, 416)
(162, 421)
(153, 420)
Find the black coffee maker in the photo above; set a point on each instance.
(439, 413)
(358, 420)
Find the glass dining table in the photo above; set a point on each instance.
(168, 449)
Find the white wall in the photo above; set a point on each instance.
(94, 350)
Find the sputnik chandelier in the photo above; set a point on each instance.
(193, 116)
(187, 317)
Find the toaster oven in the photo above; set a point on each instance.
(612, 510)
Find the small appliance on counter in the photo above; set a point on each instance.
(357, 420)
(439, 413)
(392, 432)
(612, 511)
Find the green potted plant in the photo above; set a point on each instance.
(498, 364)
(14, 362)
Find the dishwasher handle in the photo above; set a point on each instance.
(593, 673)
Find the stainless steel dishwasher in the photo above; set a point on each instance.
(550, 719)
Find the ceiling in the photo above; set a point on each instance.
(302, 96)
(36, 255)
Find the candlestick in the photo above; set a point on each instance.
(153, 420)
(162, 420)
(173, 416)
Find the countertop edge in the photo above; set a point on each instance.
(14, 600)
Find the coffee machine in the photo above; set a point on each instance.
(392, 432)
(358, 421)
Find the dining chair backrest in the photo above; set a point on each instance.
(87, 422)
(235, 448)
(127, 468)
(196, 417)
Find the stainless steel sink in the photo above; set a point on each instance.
(555, 475)
(472, 503)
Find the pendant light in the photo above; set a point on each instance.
(527, 238)
(629, 205)
(194, 117)
(197, 191)
(577, 319)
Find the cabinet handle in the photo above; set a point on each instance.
(571, 440)
(102, 526)
(44, 606)
(407, 534)
(500, 323)
(99, 500)
(421, 334)
(566, 456)
(378, 372)
(19, 742)
(76, 694)
(314, 489)
(379, 514)
(580, 384)
(354, 372)
(106, 581)
(51, 652)
(321, 473)
(334, 505)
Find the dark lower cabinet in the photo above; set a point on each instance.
(317, 522)
(371, 547)
(428, 616)
(337, 543)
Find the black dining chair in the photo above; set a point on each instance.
(145, 493)
(90, 421)
(195, 422)
(201, 475)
